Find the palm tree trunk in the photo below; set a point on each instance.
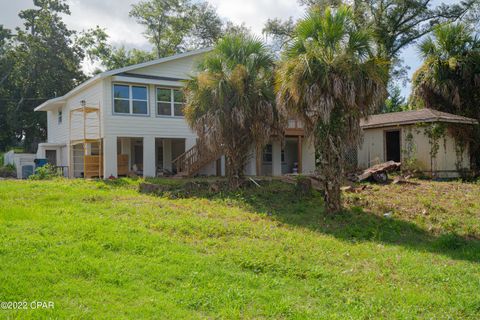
(331, 173)
(234, 172)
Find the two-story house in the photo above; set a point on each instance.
(130, 120)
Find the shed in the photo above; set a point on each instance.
(23, 162)
(421, 139)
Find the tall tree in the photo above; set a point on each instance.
(230, 103)
(395, 101)
(449, 79)
(329, 78)
(46, 63)
(98, 50)
(174, 26)
(279, 32)
(399, 23)
(7, 132)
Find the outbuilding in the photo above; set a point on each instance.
(423, 139)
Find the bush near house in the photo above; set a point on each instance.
(46, 172)
(6, 171)
(100, 249)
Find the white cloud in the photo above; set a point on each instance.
(123, 30)
(254, 13)
(109, 14)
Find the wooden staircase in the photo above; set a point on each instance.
(193, 160)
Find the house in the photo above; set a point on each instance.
(421, 138)
(130, 120)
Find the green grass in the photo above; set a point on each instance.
(102, 250)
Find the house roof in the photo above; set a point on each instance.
(47, 105)
(412, 117)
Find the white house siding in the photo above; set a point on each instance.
(372, 150)
(142, 125)
(146, 127)
(59, 133)
(308, 157)
(178, 68)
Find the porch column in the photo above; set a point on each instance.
(276, 158)
(126, 149)
(149, 169)
(250, 168)
(222, 166)
(300, 154)
(109, 156)
(167, 154)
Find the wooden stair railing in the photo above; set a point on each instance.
(193, 160)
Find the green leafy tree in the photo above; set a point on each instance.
(449, 79)
(397, 24)
(230, 102)
(7, 132)
(98, 50)
(206, 26)
(45, 62)
(174, 26)
(395, 101)
(329, 78)
(279, 32)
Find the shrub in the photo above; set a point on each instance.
(46, 172)
(8, 171)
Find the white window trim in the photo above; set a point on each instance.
(59, 116)
(172, 102)
(130, 100)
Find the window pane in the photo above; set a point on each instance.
(164, 109)
(178, 109)
(121, 106)
(267, 153)
(139, 93)
(120, 91)
(178, 96)
(164, 94)
(140, 107)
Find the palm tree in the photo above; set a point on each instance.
(230, 102)
(329, 78)
(449, 79)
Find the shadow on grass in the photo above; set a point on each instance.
(281, 201)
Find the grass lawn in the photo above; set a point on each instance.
(102, 250)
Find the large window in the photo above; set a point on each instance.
(130, 99)
(170, 102)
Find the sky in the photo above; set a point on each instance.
(123, 30)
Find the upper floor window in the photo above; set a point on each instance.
(130, 99)
(60, 116)
(170, 102)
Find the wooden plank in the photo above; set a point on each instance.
(122, 164)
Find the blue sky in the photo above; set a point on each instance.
(123, 30)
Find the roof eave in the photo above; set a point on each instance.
(45, 106)
(410, 122)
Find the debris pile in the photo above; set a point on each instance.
(379, 172)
